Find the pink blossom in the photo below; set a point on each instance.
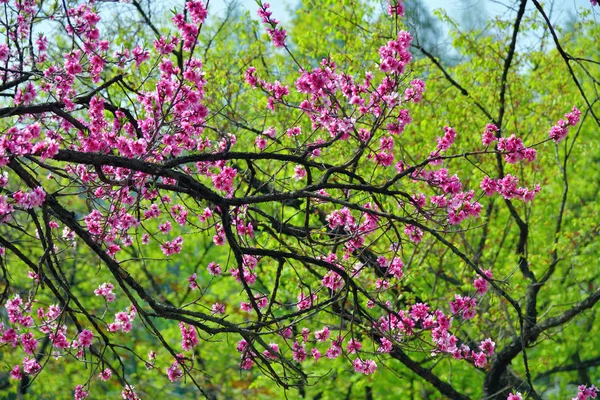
(250, 77)
(479, 359)
(447, 140)
(414, 234)
(189, 338)
(193, 282)
(105, 375)
(559, 131)
(16, 373)
(414, 93)
(465, 305)
(105, 290)
(333, 352)
(489, 186)
(488, 346)
(29, 343)
(306, 302)
(316, 354)
(129, 393)
(85, 338)
(489, 135)
(366, 367)
(172, 247)
(165, 227)
(481, 284)
(323, 334)
(31, 366)
(419, 311)
(4, 52)
(299, 351)
(272, 353)
(395, 8)
(224, 180)
(515, 151)
(386, 346)
(214, 268)
(260, 142)
(217, 308)
(140, 55)
(241, 346)
(299, 172)
(174, 372)
(295, 131)
(585, 393)
(26, 95)
(332, 281)
(80, 394)
(395, 55)
(197, 11)
(278, 36)
(246, 363)
(353, 346)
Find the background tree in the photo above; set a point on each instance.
(190, 209)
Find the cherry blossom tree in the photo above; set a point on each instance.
(152, 212)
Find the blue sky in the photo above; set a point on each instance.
(455, 8)
(463, 11)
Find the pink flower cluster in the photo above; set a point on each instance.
(507, 187)
(172, 247)
(585, 393)
(28, 140)
(25, 96)
(189, 337)
(515, 151)
(28, 200)
(105, 290)
(261, 302)
(447, 140)
(414, 93)
(85, 338)
(366, 367)
(305, 302)
(188, 30)
(248, 266)
(395, 7)
(481, 285)
(174, 372)
(414, 233)
(272, 352)
(489, 135)
(277, 34)
(214, 268)
(123, 321)
(341, 218)
(80, 393)
(559, 131)
(197, 11)
(224, 180)
(332, 281)
(463, 305)
(395, 55)
(17, 310)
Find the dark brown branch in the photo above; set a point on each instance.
(594, 362)
(443, 387)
